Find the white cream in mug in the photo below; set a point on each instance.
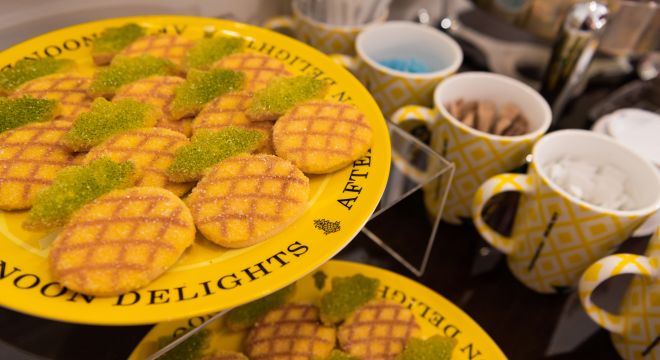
(602, 185)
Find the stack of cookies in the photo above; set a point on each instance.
(170, 135)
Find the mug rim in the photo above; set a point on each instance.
(447, 40)
(586, 133)
(345, 28)
(547, 112)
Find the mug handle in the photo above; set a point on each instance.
(412, 112)
(279, 22)
(604, 269)
(491, 187)
(415, 112)
(349, 62)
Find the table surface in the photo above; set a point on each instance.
(465, 270)
(522, 322)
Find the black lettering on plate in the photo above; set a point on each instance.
(353, 187)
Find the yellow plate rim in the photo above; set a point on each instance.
(413, 289)
(368, 205)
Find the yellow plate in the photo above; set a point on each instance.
(207, 278)
(434, 313)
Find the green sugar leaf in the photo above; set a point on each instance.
(20, 111)
(190, 349)
(245, 316)
(346, 296)
(114, 39)
(208, 148)
(338, 355)
(26, 70)
(207, 51)
(107, 118)
(124, 70)
(434, 348)
(201, 87)
(282, 94)
(74, 187)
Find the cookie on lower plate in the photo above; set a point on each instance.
(291, 331)
(379, 330)
(246, 199)
(322, 136)
(121, 241)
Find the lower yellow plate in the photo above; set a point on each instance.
(207, 278)
(434, 313)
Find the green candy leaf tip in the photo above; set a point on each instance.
(282, 94)
(208, 148)
(190, 349)
(20, 111)
(346, 296)
(27, 69)
(107, 118)
(201, 87)
(74, 187)
(434, 348)
(114, 39)
(207, 51)
(124, 70)
(245, 316)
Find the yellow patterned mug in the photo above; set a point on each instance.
(635, 332)
(556, 236)
(325, 37)
(402, 40)
(477, 155)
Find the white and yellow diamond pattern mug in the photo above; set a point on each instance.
(325, 37)
(393, 89)
(556, 236)
(477, 155)
(635, 331)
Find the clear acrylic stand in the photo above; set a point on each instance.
(418, 176)
(419, 179)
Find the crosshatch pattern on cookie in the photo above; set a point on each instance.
(229, 110)
(121, 241)
(151, 150)
(245, 198)
(291, 331)
(30, 157)
(378, 330)
(158, 91)
(170, 47)
(322, 133)
(259, 69)
(69, 90)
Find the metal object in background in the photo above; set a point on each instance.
(572, 52)
(633, 28)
